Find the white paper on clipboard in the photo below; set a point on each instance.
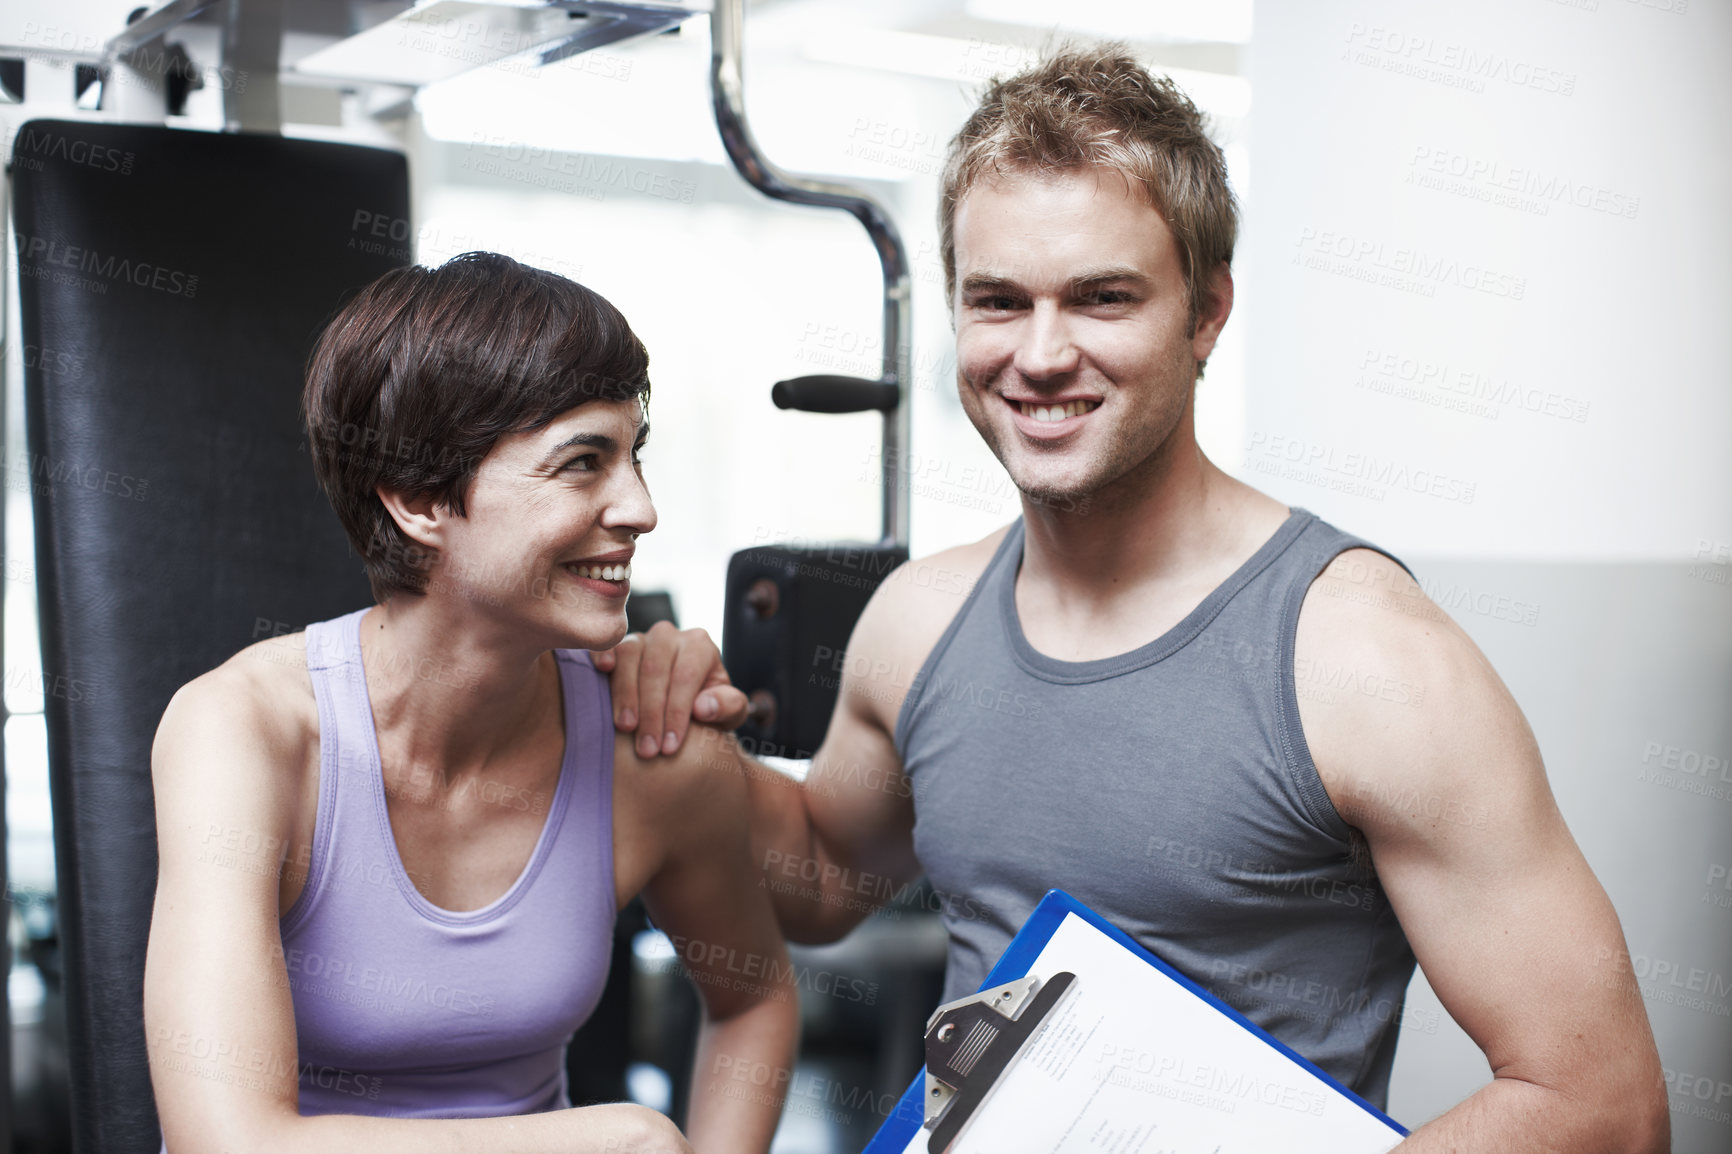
(1132, 1062)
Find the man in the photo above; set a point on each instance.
(1246, 738)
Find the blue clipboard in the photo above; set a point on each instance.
(904, 1122)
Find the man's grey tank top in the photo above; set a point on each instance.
(1170, 788)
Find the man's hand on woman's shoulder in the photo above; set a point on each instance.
(663, 680)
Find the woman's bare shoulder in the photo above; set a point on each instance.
(250, 723)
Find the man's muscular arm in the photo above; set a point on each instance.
(835, 846)
(838, 845)
(1508, 922)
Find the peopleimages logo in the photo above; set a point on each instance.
(337, 974)
(1490, 179)
(711, 963)
(593, 175)
(1468, 390)
(1686, 770)
(1447, 62)
(1126, 1063)
(1408, 269)
(1356, 473)
(41, 258)
(35, 142)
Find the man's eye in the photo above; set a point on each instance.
(583, 463)
(1109, 297)
(994, 303)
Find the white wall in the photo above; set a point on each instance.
(1488, 249)
(1574, 321)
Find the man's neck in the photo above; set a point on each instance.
(1110, 577)
(1151, 523)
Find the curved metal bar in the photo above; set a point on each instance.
(152, 25)
(727, 95)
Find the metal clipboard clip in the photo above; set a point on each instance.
(971, 1041)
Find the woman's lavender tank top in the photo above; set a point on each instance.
(408, 1010)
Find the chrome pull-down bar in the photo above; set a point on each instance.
(727, 94)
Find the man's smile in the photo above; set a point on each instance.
(1051, 419)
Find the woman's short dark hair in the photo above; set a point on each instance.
(413, 382)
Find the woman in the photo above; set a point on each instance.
(392, 847)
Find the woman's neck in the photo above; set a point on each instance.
(451, 690)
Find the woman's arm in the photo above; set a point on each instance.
(708, 897)
(219, 1020)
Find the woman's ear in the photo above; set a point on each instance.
(421, 518)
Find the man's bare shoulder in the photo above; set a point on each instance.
(920, 598)
(1364, 601)
(902, 624)
(1390, 686)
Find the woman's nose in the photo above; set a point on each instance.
(629, 506)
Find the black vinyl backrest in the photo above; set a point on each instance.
(172, 284)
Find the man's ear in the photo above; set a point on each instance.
(421, 518)
(1217, 306)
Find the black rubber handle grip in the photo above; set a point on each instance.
(832, 394)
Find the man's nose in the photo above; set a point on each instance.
(1047, 347)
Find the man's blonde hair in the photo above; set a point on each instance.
(1083, 107)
